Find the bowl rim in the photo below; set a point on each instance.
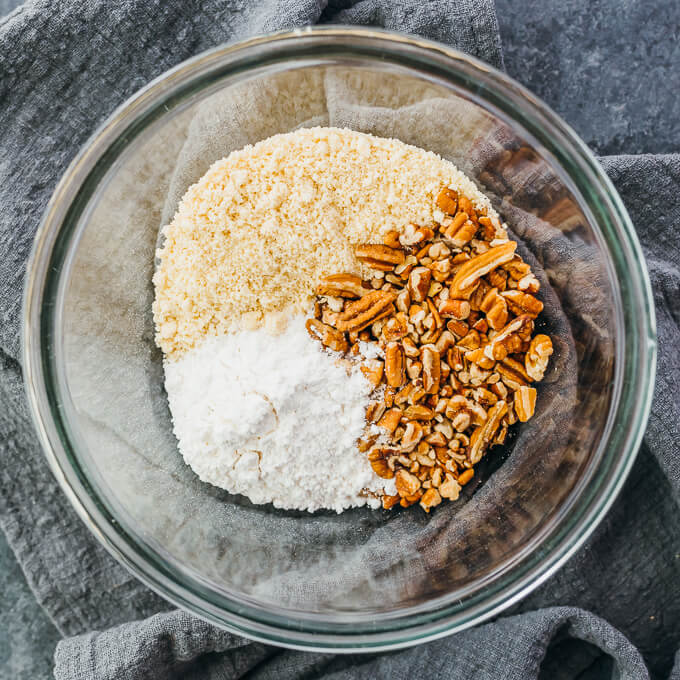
(638, 353)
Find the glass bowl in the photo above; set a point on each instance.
(366, 579)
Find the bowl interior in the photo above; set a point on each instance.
(363, 566)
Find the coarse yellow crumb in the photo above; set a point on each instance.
(252, 237)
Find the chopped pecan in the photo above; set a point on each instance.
(431, 369)
(388, 502)
(412, 436)
(406, 483)
(395, 328)
(538, 355)
(378, 256)
(456, 309)
(327, 335)
(391, 239)
(465, 205)
(430, 499)
(510, 377)
(390, 420)
(381, 468)
(525, 403)
(373, 370)
(445, 342)
(394, 364)
(465, 476)
(419, 412)
(449, 488)
(522, 303)
(460, 230)
(413, 235)
(483, 435)
(419, 283)
(403, 300)
(447, 201)
(496, 309)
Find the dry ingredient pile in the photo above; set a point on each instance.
(344, 322)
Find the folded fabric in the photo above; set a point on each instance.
(65, 67)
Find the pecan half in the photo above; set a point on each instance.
(472, 270)
(366, 310)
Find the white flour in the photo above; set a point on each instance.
(275, 418)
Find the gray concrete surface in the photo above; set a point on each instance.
(628, 51)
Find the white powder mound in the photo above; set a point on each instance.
(274, 418)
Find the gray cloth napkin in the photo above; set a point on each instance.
(63, 68)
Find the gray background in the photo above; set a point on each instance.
(629, 53)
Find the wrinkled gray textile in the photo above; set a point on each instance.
(63, 68)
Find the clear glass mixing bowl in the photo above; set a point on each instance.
(364, 579)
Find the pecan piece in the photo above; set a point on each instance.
(447, 201)
(373, 370)
(391, 238)
(538, 355)
(381, 469)
(419, 283)
(406, 483)
(523, 303)
(327, 335)
(496, 309)
(395, 328)
(456, 309)
(365, 311)
(390, 420)
(412, 436)
(430, 499)
(394, 364)
(419, 412)
(449, 488)
(431, 369)
(341, 285)
(378, 256)
(525, 403)
(414, 235)
(465, 476)
(460, 230)
(468, 275)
